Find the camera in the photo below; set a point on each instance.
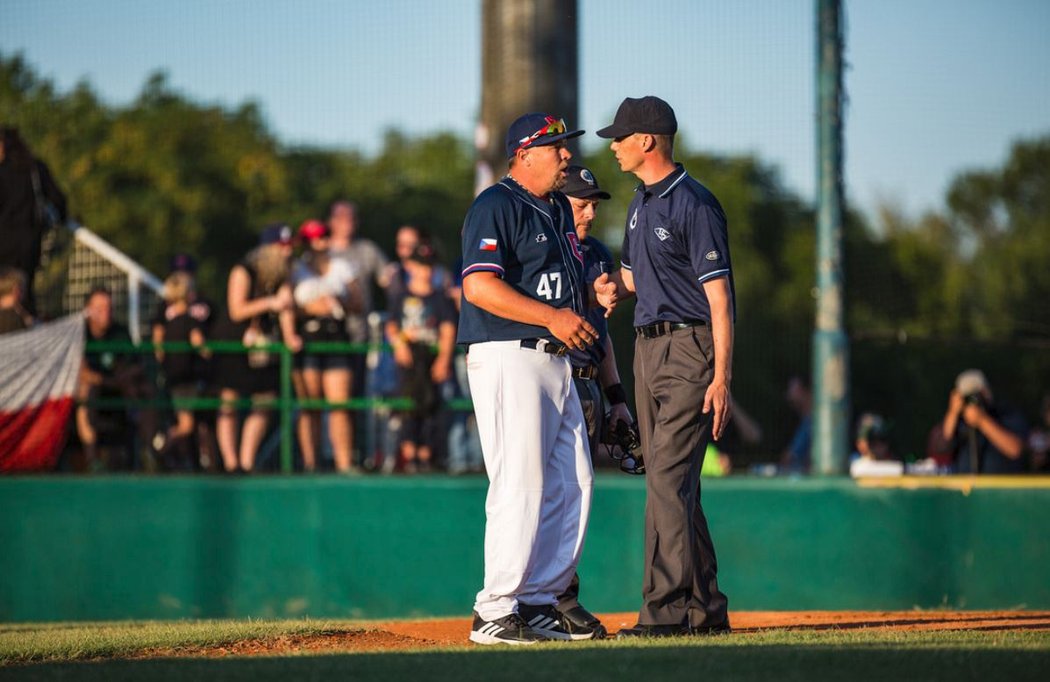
(975, 398)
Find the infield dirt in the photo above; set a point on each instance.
(426, 634)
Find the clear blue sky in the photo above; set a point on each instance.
(935, 86)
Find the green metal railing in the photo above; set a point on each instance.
(286, 403)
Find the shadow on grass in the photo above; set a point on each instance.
(606, 663)
(1034, 622)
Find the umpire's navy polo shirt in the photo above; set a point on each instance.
(531, 244)
(676, 239)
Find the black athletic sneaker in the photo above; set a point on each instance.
(582, 624)
(506, 630)
(547, 621)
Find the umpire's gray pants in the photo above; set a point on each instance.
(672, 373)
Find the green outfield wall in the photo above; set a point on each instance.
(376, 547)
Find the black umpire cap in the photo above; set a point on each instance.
(642, 115)
(581, 184)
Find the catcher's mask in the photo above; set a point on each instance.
(629, 450)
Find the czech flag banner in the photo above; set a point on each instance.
(38, 378)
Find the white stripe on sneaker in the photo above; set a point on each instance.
(542, 622)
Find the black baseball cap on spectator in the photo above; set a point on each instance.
(182, 262)
(581, 184)
(536, 130)
(276, 233)
(422, 254)
(647, 114)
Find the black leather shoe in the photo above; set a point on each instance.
(704, 630)
(650, 631)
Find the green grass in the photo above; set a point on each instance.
(79, 641)
(63, 651)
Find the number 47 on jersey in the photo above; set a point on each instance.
(549, 286)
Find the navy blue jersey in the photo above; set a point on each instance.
(676, 239)
(594, 254)
(531, 244)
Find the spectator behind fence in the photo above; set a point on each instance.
(13, 316)
(104, 432)
(30, 204)
(326, 291)
(420, 318)
(872, 442)
(369, 263)
(796, 457)
(1039, 439)
(983, 436)
(183, 371)
(363, 256)
(395, 274)
(259, 311)
(201, 310)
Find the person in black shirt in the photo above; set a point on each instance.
(259, 312)
(108, 374)
(30, 203)
(182, 371)
(421, 317)
(983, 436)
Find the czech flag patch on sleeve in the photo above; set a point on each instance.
(487, 245)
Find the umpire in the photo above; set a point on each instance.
(676, 260)
(594, 368)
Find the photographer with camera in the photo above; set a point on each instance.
(984, 437)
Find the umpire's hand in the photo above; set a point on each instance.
(606, 293)
(717, 399)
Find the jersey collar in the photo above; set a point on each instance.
(663, 188)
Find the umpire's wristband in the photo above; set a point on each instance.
(616, 394)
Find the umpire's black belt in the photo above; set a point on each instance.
(651, 331)
(585, 372)
(545, 346)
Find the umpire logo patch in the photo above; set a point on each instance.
(711, 255)
(540, 238)
(662, 233)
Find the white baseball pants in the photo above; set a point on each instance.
(534, 442)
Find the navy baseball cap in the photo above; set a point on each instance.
(642, 115)
(537, 130)
(581, 184)
(182, 262)
(276, 233)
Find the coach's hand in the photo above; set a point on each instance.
(717, 399)
(571, 329)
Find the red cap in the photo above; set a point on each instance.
(313, 229)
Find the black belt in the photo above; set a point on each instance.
(651, 331)
(546, 346)
(585, 372)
